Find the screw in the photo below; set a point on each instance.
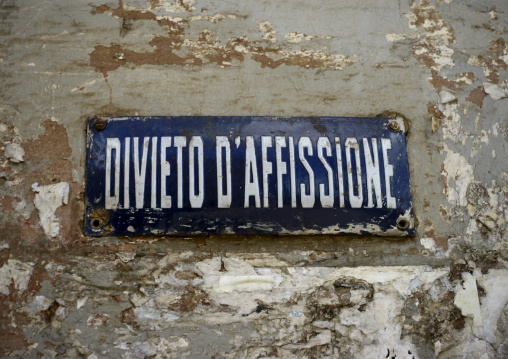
(100, 124)
(394, 126)
(119, 56)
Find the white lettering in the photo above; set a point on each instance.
(196, 200)
(112, 200)
(266, 142)
(140, 173)
(340, 173)
(301, 189)
(387, 145)
(223, 200)
(307, 199)
(326, 200)
(292, 171)
(355, 200)
(165, 172)
(179, 142)
(373, 175)
(154, 172)
(126, 174)
(281, 168)
(251, 188)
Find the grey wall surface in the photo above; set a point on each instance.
(441, 64)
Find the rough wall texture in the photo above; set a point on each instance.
(443, 64)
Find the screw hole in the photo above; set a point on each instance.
(96, 223)
(403, 224)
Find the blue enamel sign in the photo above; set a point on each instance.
(247, 175)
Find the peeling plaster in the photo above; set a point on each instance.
(15, 272)
(435, 36)
(467, 300)
(246, 283)
(173, 48)
(47, 200)
(495, 284)
(14, 152)
(458, 174)
(497, 92)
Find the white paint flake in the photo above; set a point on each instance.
(495, 284)
(296, 37)
(14, 152)
(497, 92)
(395, 37)
(323, 338)
(17, 272)
(269, 33)
(429, 244)
(459, 174)
(246, 283)
(47, 200)
(81, 302)
(434, 34)
(447, 96)
(171, 6)
(467, 300)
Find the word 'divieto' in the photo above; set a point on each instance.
(277, 158)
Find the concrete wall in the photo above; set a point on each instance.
(440, 63)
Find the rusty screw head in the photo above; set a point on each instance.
(100, 124)
(119, 56)
(394, 126)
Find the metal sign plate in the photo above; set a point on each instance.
(247, 175)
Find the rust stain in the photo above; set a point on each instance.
(476, 96)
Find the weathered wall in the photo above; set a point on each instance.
(441, 64)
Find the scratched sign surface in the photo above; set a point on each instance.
(247, 175)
